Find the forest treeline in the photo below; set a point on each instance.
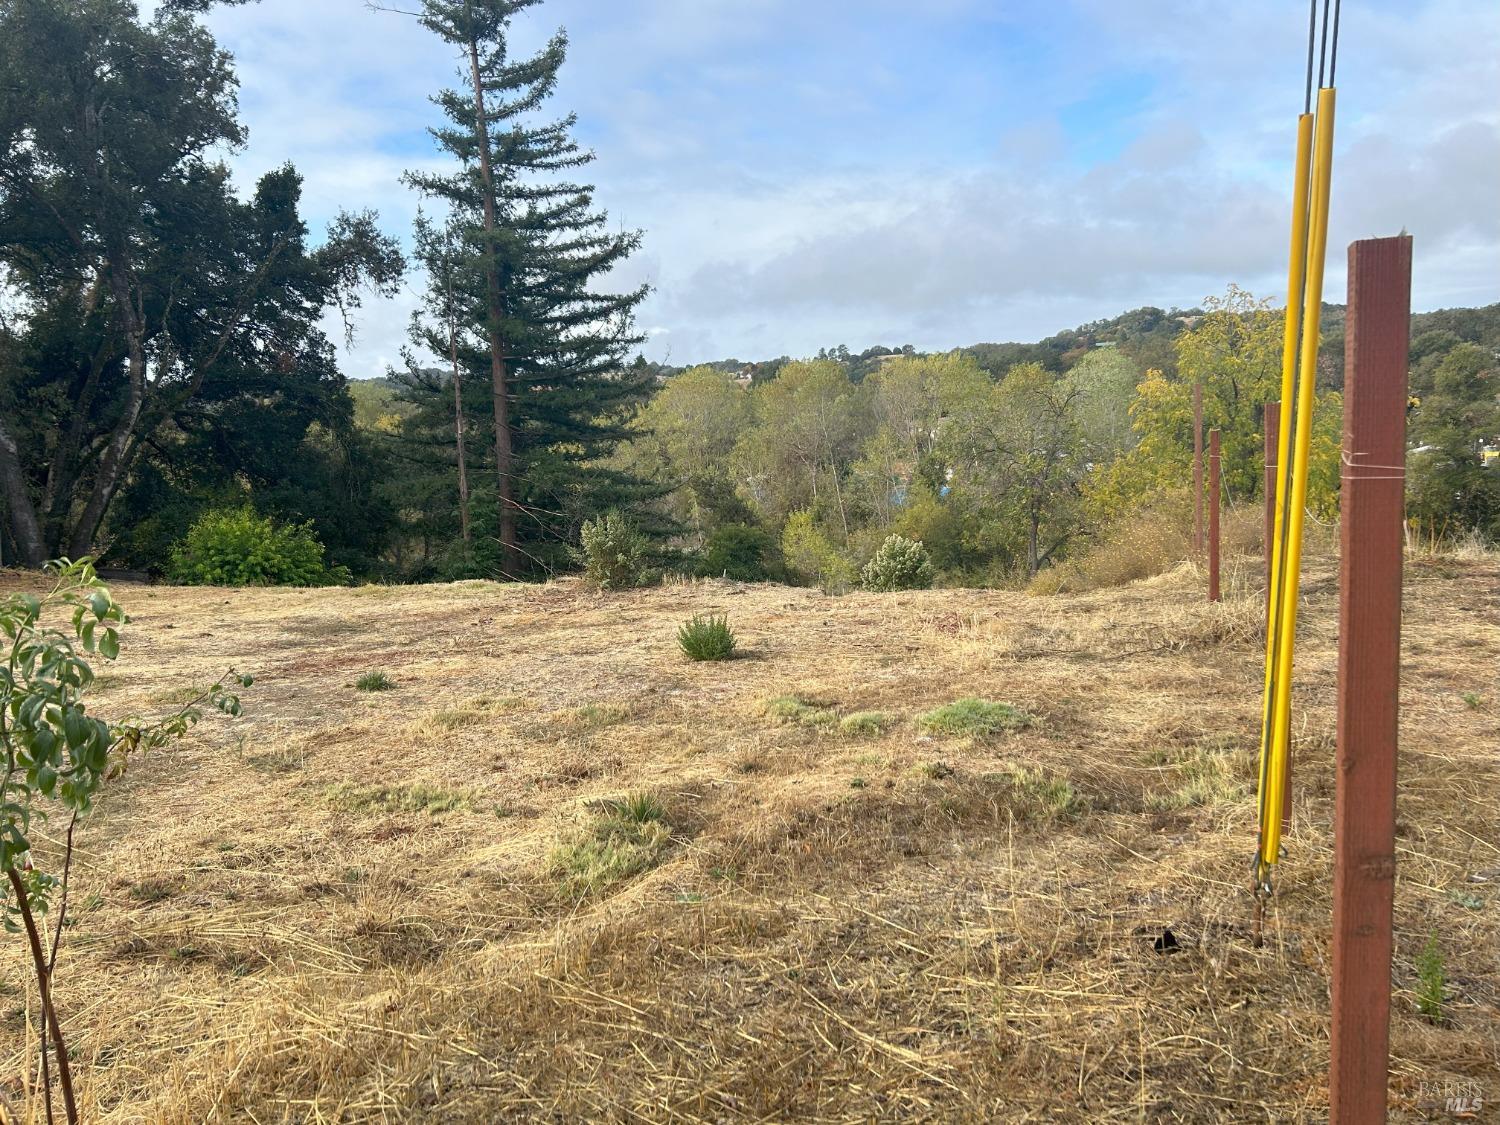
(169, 402)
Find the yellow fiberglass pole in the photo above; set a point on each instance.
(1317, 245)
(1296, 274)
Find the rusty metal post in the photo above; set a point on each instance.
(1197, 468)
(1213, 515)
(1273, 432)
(1372, 503)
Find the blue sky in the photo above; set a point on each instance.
(816, 172)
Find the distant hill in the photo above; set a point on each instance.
(1146, 335)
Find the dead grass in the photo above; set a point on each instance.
(1049, 925)
(371, 799)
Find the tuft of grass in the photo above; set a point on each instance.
(468, 712)
(157, 888)
(935, 771)
(1206, 776)
(1472, 700)
(286, 760)
(706, 638)
(803, 712)
(451, 718)
(625, 837)
(598, 715)
(374, 681)
(349, 797)
(1039, 795)
(865, 723)
(637, 808)
(1432, 980)
(977, 718)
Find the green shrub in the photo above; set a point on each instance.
(374, 681)
(812, 558)
(237, 547)
(741, 552)
(615, 555)
(975, 717)
(706, 638)
(899, 564)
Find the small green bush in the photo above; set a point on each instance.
(374, 681)
(741, 552)
(899, 564)
(615, 555)
(975, 717)
(706, 638)
(237, 547)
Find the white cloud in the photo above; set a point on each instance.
(792, 200)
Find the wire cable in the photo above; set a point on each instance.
(1312, 35)
(1333, 61)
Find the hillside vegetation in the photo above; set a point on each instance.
(480, 852)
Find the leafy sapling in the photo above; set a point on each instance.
(55, 758)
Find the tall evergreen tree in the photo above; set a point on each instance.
(437, 329)
(534, 244)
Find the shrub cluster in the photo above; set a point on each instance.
(740, 551)
(615, 555)
(899, 564)
(810, 556)
(238, 547)
(706, 638)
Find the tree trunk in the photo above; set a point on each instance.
(458, 427)
(112, 463)
(1033, 561)
(66, 462)
(504, 447)
(23, 522)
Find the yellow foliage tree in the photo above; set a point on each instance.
(1234, 350)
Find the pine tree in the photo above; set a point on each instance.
(438, 332)
(531, 244)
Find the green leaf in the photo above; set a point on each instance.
(109, 645)
(76, 728)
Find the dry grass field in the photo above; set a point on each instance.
(557, 872)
